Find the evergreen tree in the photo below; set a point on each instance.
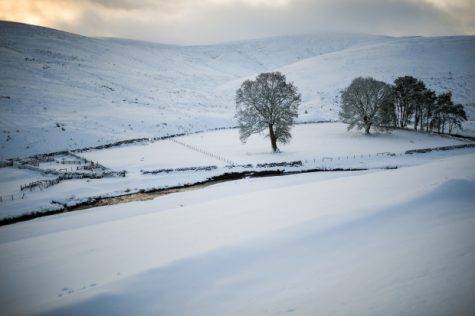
(447, 115)
(388, 112)
(428, 99)
(407, 92)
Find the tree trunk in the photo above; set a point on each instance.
(273, 140)
(367, 128)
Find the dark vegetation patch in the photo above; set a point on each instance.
(442, 148)
(168, 170)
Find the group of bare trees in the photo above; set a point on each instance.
(269, 103)
(367, 103)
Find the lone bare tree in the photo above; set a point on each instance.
(267, 103)
(363, 103)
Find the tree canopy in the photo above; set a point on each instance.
(267, 103)
(364, 102)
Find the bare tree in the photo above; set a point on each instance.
(363, 103)
(267, 103)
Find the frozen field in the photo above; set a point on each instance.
(400, 242)
(157, 155)
(309, 142)
(326, 145)
(313, 141)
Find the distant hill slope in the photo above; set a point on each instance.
(62, 91)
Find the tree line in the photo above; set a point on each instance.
(368, 103)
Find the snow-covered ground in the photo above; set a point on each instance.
(11, 179)
(76, 91)
(309, 142)
(395, 242)
(395, 239)
(324, 145)
(313, 141)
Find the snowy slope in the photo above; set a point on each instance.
(443, 63)
(62, 91)
(400, 242)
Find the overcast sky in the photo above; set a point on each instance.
(210, 21)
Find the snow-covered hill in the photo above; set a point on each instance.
(62, 91)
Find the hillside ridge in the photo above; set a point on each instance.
(75, 91)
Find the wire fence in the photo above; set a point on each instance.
(11, 197)
(231, 163)
(204, 152)
(352, 157)
(72, 167)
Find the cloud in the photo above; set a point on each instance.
(206, 21)
(40, 12)
(461, 10)
(124, 4)
(157, 5)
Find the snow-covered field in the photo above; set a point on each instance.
(324, 145)
(396, 242)
(395, 237)
(310, 141)
(96, 91)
